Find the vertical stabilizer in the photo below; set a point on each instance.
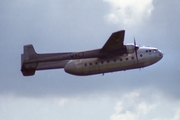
(29, 52)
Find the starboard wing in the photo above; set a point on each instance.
(115, 42)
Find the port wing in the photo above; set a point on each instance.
(115, 42)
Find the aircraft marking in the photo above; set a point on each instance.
(81, 54)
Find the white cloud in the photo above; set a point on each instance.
(126, 116)
(139, 105)
(63, 101)
(129, 12)
(131, 107)
(145, 104)
(13, 107)
(177, 115)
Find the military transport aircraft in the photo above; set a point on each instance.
(113, 56)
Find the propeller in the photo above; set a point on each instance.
(136, 48)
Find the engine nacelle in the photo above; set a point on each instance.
(130, 48)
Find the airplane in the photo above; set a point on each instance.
(113, 56)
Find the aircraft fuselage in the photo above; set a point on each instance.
(146, 56)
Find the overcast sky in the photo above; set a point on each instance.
(150, 93)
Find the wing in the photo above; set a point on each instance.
(115, 42)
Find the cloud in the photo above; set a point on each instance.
(129, 12)
(177, 115)
(145, 104)
(138, 105)
(54, 108)
(63, 101)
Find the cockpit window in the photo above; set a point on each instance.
(154, 50)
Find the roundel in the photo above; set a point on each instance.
(81, 54)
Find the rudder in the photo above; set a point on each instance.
(29, 54)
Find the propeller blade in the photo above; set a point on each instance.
(134, 42)
(136, 48)
(136, 56)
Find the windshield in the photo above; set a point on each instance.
(155, 50)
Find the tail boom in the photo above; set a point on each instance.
(29, 68)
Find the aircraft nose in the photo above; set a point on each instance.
(160, 54)
(71, 68)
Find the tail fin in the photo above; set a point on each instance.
(29, 54)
